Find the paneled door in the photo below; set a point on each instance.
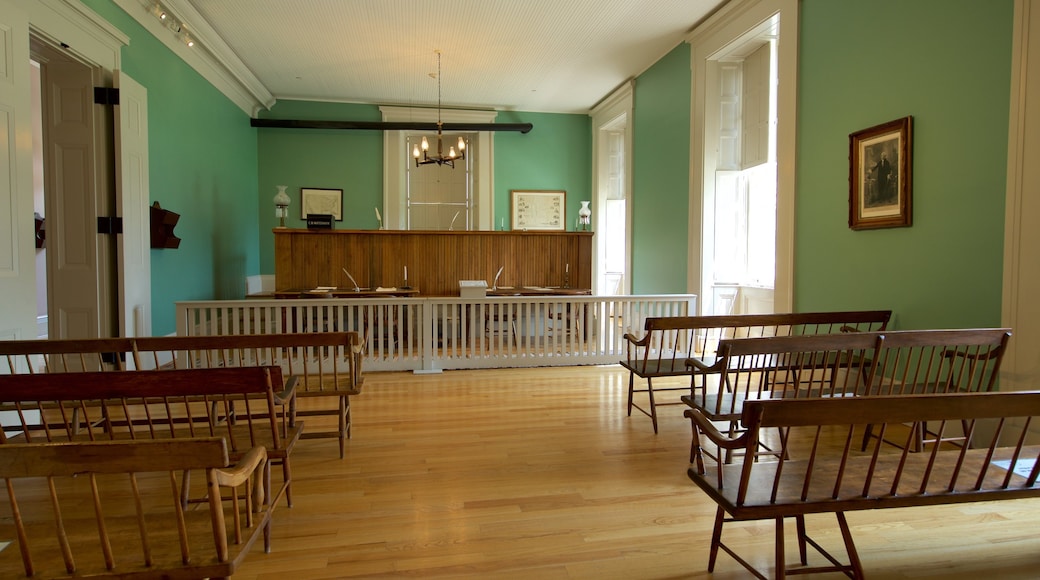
(17, 266)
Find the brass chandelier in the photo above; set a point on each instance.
(424, 157)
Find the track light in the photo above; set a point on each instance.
(170, 21)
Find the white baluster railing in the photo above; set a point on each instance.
(430, 334)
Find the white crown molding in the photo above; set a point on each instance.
(612, 104)
(210, 57)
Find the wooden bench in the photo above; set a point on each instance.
(326, 365)
(239, 404)
(840, 365)
(667, 342)
(113, 509)
(820, 469)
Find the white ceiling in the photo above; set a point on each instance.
(529, 55)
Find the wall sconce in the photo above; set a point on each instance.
(281, 205)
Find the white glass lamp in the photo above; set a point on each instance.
(281, 205)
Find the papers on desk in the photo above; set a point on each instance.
(391, 289)
(537, 288)
(323, 289)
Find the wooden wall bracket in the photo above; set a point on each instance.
(163, 222)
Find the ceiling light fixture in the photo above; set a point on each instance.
(169, 21)
(440, 158)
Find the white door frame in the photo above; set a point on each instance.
(727, 25)
(1020, 369)
(615, 108)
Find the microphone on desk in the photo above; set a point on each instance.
(451, 226)
(356, 287)
(494, 285)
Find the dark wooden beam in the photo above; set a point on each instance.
(386, 126)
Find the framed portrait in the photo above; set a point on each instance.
(879, 176)
(539, 209)
(322, 201)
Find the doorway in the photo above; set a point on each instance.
(72, 184)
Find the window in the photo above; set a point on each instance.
(437, 196)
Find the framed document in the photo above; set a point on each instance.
(539, 209)
(321, 201)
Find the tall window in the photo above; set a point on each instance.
(745, 178)
(438, 197)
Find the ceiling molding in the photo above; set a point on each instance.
(210, 57)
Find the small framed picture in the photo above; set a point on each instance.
(539, 209)
(321, 201)
(879, 176)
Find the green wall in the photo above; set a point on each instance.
(946, 63)
(661, 175)
(320, 158)
(555, 154)
(202, 165)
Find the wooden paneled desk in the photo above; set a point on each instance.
(346, 293)
(538, 291)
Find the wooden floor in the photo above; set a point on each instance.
(539, 474)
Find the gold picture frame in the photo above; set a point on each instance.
(538, 209)
(880, 176)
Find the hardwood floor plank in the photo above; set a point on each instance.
(539, 473)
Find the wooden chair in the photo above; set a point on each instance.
(820, 470)
(113, 509)
(668, 342)
(934, 362)
(779, 367)
(241, 405)
(322, 365)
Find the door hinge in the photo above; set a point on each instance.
(109, 225)
(106, 96)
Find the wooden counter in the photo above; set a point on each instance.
(436, 260)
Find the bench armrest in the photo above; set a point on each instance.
(633, 341)
(288, 391)
(253, 462)
(700, 365)
(238, 473)
(706, 428)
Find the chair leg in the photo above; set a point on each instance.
(850, 546)
(716, 538)
(631, 380)
(287, 476)
(781, 564)
(653, 406)
(802, 552)
(344, 424)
